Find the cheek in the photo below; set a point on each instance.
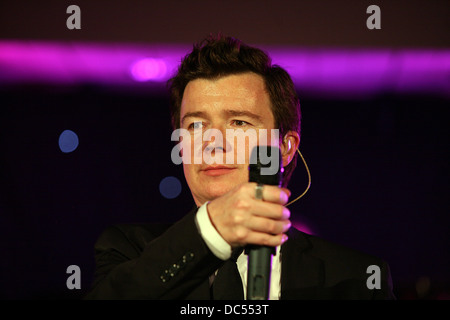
(270, 137)
(192, 177)
(260, 137)
(242, 144)
(191, 149)
(250, 146)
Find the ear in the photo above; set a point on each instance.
(289, 145)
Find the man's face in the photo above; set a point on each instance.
(231, 102)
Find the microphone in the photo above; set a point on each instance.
(260, 257)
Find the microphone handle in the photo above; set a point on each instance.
(259, 269)
(260, 257)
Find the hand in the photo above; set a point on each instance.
(241, 219)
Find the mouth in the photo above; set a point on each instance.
(214, 171)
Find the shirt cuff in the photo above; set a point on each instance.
(218, 246)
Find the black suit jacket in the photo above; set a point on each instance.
(156, 261)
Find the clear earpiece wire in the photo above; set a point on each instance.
(309, 179)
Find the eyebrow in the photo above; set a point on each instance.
(195, 114)
(240, 113)
(228, 112)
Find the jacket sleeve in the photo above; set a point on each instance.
(132, 265)
(386, 291)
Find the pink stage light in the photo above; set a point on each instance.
(149, 69)
(303, 227)
(323, 72)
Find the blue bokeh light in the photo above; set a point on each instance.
(68, 141)
(170, 187)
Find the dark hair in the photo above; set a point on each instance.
(220, 56)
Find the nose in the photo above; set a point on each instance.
(215, 146)
(214, 139)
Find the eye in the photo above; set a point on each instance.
(196, 125)
(240, 123)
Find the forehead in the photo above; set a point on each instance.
(245, 91)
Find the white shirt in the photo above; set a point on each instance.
(222, 250)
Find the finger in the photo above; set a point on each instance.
(271, 193)
(287, 191)
(265, 239)
(270, 226)
(269, 210)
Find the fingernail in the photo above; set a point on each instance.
(286, 213)
(287, 191)
(284, 238)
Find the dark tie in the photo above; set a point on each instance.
(227, 284)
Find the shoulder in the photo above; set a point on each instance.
(129, 239)
(334, 271)
(323, 248)
(335, 257)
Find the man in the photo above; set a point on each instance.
(226, 86)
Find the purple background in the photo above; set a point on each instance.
(375, 130)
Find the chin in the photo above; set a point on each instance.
(207, 188)
(217, 191)
(217, 188)
(214, 190)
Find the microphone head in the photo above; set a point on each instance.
(265, 165)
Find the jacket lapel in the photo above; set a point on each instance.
(302, 275)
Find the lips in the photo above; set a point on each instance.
(217, 170)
